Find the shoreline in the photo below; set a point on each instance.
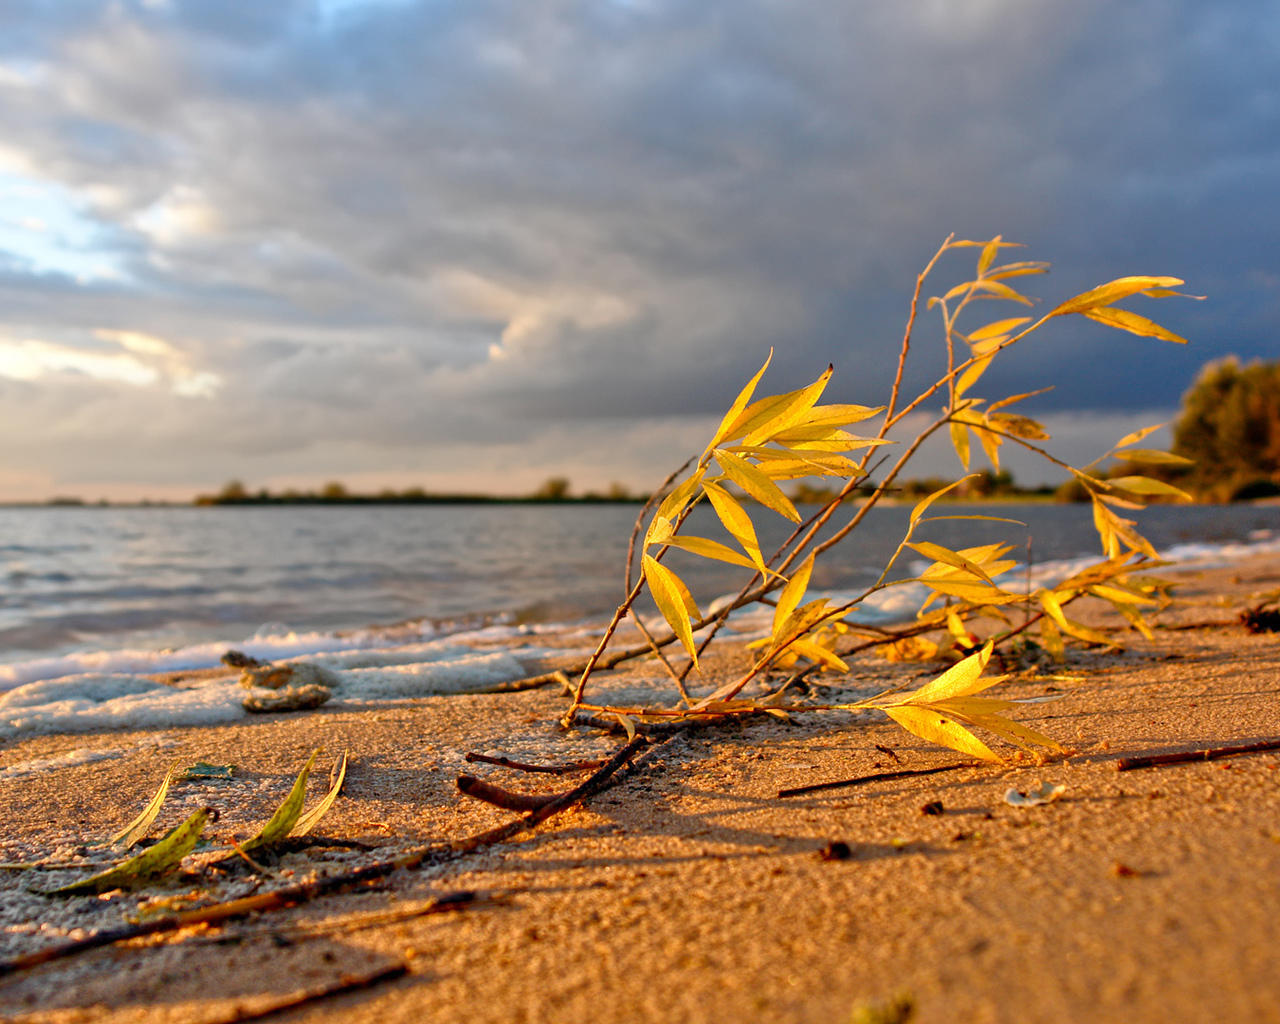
(692, 892)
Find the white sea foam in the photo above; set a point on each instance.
(96, 690)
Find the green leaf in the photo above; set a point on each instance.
(312, 818)
(668, 594)
(756, 484)
(205, 770)
(1133, 323)
(155, 860)
(735, 519)
(137, 828)
(282, 822)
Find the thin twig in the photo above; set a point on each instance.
(862, 780)
(478, 789)
(530, 683)
(1188, 756)
(545, 769)
(300, 997)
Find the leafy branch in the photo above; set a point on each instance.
(764, 441)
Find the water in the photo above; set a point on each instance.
(89, 579)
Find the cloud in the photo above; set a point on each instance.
(379, 227)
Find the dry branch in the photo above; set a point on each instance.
(862, 780)
(1189, 756)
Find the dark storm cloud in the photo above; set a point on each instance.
(399, 223)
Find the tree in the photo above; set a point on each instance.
(1230, 428)
(554, 489)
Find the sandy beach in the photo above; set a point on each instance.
(691, 891)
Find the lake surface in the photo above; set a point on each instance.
(85, 579)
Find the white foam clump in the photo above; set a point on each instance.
(93, 701)
(70, 759)
(90, 701)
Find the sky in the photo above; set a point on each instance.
(472, 245)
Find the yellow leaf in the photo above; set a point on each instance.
(936, 728)
(710, 549)
(768, 415)
(1003, 291)
(923, 505)
(1113, 291)
(791, 594)
(1135, 619)
(1051, 639)
(1016, 732)
(739, 403)
(940, 554)
(668, 593)
(1049, 601)
(659, 532)
(790, 465)
(1146, 485)
(960, 440)
(788, 413)
(971, 375)
(675, 502)
(1155, 457)
(1018, 426)
(988, 255)
(1133, 323)
(756, 484)
(1137, 435)
(818, 654)
(838, 415)
(991, 443)
(961, 680)
(911, 648)
(998, 327)
(735, 520)
(977, 593)
(628, 723)
(1118, 595)
(1017, 270)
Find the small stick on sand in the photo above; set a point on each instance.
(1188, 756)
(879, 777)
(478, 789)
(545, 769)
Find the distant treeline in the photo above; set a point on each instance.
(554, 490)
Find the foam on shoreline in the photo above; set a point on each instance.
(94, 690)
